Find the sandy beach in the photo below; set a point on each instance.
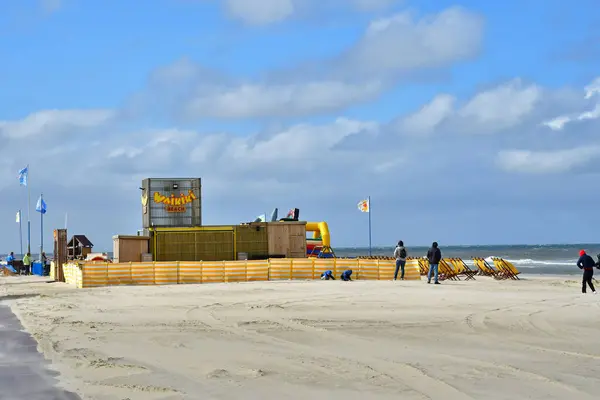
(536, 338)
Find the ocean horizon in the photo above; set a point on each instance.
(531, 259)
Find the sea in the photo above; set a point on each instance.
(546, 259)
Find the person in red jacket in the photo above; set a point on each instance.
(587, 264)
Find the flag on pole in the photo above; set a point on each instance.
(23, 176)
(18, 216)
(364, 206)
(41, 206)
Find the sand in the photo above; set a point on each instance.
(537, 339)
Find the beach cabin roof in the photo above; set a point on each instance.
(80, 240)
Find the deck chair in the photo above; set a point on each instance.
(507, 268)
(446, 271)
(486, 269)
(512, 268)
(463, 269)
(503, 270)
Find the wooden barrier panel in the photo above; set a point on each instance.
(118, 274)
(73, 275)
(190, 272)
(303, 268)
(368, 269)
(67, 272)
(234, 271)
(213, 272)
(142, 273)
(257, 270)
(280, 268)
(342, 264)
(78, 274)
(412, 270)
(324, 264)
(387, 268)
(166, 273)
(94, 274)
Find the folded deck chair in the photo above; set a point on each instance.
(447, 271)
(513, 269)
(486, 269)
(463, 269)
(505, 267)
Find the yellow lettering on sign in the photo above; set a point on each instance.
(175, 203)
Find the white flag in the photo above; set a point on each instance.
(18, 216)
(364, 206)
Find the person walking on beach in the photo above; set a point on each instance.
(434, 255)
(587, 264)
(400, 256)
(27, 263)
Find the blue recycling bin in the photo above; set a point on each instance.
(37, 268)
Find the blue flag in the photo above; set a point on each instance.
(41, 206)
(23, 176)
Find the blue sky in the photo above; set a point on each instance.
(466, 121)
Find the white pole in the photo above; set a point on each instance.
(28, 212)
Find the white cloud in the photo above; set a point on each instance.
(592, 89)
(283, 163)
(49, 122)
(592, 114)
(399, 44)
(560, 122)
(429, 117)
(260, 12)
(296, 149)
(308, 143)
(502, 107)
(540, 162)
(251, 100)
(402, 43)
(266, 12)
(557, 123)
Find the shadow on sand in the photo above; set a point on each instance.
(23, 370)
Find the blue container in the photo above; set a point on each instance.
(37, 269)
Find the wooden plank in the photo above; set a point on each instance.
(278, 234)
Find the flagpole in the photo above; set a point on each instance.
(65, 220)
(369, 200)
(41, 226)
(21, 233)
(28, 213)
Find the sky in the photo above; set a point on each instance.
(466, 122)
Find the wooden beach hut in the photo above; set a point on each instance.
(79, 247)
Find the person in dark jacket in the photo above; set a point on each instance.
(434, 255)
(587, 264)
(327, 275)
(346, 275)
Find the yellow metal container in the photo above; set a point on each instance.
(205, 243)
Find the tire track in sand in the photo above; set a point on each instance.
(410, 377)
